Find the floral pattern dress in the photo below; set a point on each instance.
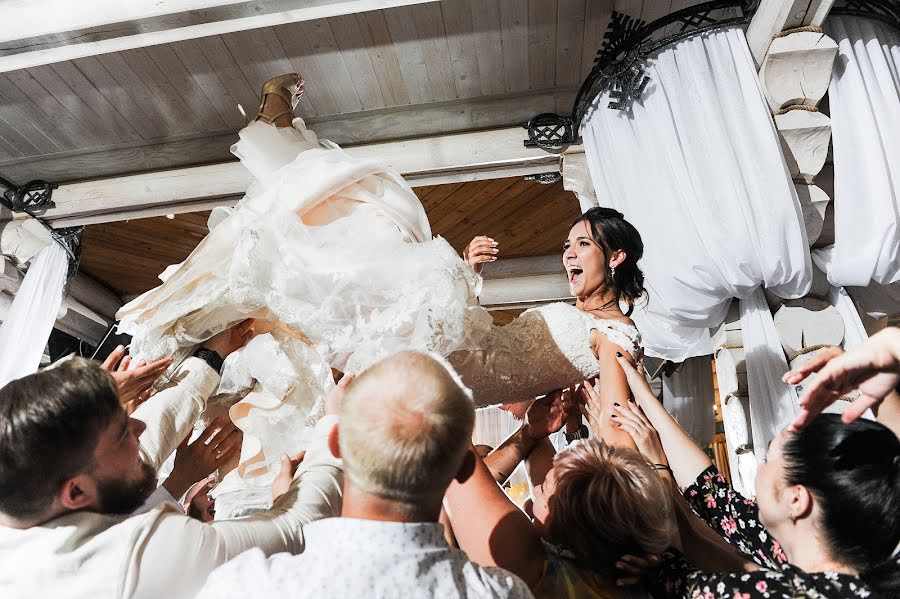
(736, 519)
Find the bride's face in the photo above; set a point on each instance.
(584, 260)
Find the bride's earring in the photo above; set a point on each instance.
(612, 273)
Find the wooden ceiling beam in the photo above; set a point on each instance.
(428, 161)
(387, 124)
(524, 283)
(54, 31)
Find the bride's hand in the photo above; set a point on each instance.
(480, 250)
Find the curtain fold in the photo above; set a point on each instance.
(689, 397)
(773, 403)
(697, 168)
(864, 99)
(854, 330)
(24, 333)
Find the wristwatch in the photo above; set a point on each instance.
(210, 357)
(580, 433)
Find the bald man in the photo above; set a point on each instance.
(404, 431)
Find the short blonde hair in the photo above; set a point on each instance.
(607, 502)
(405, 425)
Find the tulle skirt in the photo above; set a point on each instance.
(333, 258)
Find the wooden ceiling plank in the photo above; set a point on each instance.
(111, 117)
(460, 210)
(191, 93)
(655, 9)
(67, 124)
(220, 59)
(531, 222)
(191, 56)
(8, 150)
(20, 130)
(328, 55)
(301, 57)
(190, 24)
(349, 39)
(514, 35)
(137, 92)
(377, 41)
(569, 40)
(597, 14)
(496, 216)
(38, 118)
(410, 55)
(109, 96)
(486, 22)
(169, 102)
(461, 40)
(430, 29)
(437, 195)
(542, 18)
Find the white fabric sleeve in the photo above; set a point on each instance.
(174, 558)
(160, 495)
(171, 413)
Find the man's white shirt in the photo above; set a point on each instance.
(347, 557)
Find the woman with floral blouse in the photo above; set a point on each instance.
(826, 521)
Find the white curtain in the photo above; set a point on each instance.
(689, 397)
(698, 169)
(493, 426)
(24, 333)
(864, 96)
(854, 330)
(874, 299)
(773, 403)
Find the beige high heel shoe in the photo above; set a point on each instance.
(288, 87)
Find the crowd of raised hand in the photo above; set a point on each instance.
(390, 498)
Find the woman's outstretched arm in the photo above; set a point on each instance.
(490, 528)
(686, 458)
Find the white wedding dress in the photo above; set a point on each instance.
(334, 259)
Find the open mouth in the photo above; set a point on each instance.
(575, 274)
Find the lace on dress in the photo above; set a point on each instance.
(544, 349)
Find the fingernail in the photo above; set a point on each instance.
(614, 416)
(631, 400)
(617, 405)
(618, 354)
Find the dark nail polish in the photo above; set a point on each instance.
(614, 416)
(618, 354)
(631, 400)
(615, 404)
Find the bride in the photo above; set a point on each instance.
(333, 259)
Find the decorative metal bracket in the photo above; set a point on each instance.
(70, 240)
(550, 130)
(34, 196)
(620, 67)
(545, 178)
(886, 11)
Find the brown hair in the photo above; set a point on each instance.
(50, 423)
(608, 501)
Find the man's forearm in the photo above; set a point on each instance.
(509, 454)
(172, 412)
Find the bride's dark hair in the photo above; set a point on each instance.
(612, 232)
